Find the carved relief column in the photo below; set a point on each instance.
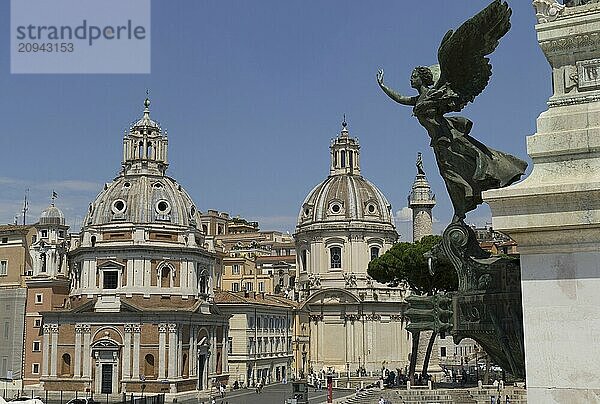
(136, 349)
(77, 364)
(53, 349)
(172, 365)
(46, 350)
(87, 359)
(162, 345)
(126, 360)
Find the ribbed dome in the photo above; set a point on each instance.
(52, 215)
(143, 199)
(345, 197)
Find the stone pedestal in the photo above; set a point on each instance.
(554, 214)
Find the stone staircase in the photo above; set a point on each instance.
(442, 396)
(484, 396)
(364, 396)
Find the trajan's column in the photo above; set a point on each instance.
(554, 214)
(421, 200)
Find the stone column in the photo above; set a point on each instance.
(172, 365)
(213, 348)
(53, 349)
(46, 350)
(180, 351)
(136, 350)
(554, 214)
(77, 360)
(87, 359)
(126, 359)
(192, 357)
(162, 348)
(225, 354)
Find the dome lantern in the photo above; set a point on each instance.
(145, 147)
(345, 152)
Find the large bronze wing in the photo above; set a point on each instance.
(462, 54)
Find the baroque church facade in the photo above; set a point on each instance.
(351, 322)
(140, 315)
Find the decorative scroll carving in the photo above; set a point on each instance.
(547, 10)
(351, 317)
(315, 317)
(372, 317)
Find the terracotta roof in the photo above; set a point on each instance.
(226, 297)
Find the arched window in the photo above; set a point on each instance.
(304, 258)
(149, 365)
(141, 150)
(335, 255)
(205, 229)
(149, 151)
(343, 158)
(374, 253)
(65, 367)
(93, 241)
(351, 158)
(165, 277)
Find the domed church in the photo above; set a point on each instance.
(344, 222)
(140, 314)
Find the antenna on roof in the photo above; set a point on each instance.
(25, 205)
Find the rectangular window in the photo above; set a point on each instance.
(39, 298)
(249, 286)
(111, 279)
(6, 329)
(261, 286)
(35, 368)
(443, 351)
(250, 321)
(44, 233)
(4, 369)
(37, 323)
(335, 255)
(4, 240)
(3, 268)
(236, 269)
(36, 346)
(61, 233)
(230, 345)
(235, 287)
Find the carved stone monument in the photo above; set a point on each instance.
(554, 214)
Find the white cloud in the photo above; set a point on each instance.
(404, 215)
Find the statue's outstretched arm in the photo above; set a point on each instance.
(400, 99)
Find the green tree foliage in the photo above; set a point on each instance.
(406, 263)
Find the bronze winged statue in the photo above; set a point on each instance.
(467, 166)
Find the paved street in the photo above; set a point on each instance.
(275, 394)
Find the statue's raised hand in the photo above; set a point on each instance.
(380, 77)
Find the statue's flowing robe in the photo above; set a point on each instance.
(467, 166)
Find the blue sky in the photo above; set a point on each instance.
(251, 92)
